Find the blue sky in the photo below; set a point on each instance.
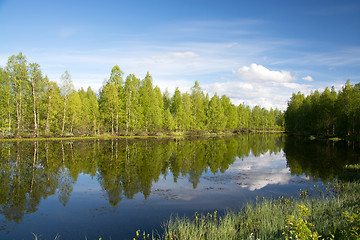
(256, 52)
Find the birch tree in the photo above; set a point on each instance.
(66, 88)
(17, 71)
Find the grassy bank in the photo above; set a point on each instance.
(85, 138)
(138, 136)
(316, 214)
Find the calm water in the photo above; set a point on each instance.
(111, 188)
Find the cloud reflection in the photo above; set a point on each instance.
(255, 173)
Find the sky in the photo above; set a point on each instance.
(255, 52)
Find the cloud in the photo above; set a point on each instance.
(260, 73)
(258, 85)
(308, 78)
(187, 54)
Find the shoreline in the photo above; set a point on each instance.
(141, 136)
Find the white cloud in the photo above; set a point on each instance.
(258, 85)
(187, 54)
(260, 73)
(307, 78)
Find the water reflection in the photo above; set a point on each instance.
(320, 160)
(33, 171)
(257, 172)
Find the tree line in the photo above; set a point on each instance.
(33, 105)
(329, 113)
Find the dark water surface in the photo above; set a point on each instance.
(111, 188)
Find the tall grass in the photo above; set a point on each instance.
(327, 217)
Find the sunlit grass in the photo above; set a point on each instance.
(269, 218)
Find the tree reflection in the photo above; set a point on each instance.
(322, 159)
(31, 171)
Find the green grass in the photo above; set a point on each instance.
(140, 136)
(85, 138)
(327, 215)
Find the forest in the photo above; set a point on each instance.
(330, 113)
(34, 106)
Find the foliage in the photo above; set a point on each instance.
(353, 220)
(34, 106)
(330, 113)
(302, 227)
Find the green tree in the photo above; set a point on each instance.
(147, 104)
(327, 111)
(17, 71)
(244, 115)
(93, 109)
(256, 117)
(37, 85)
(177, 110)
(216, 116)
(158, 106)
(293, 112)
(117, 80)
(131, 103)
(74, 113)
(231, 113)
(5, 102)
(108, 103)
(53, 103)
(168, 122)
(188, 117)
(198, 107)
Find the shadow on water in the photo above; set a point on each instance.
(322, 159)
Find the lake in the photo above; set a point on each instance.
(111, 188)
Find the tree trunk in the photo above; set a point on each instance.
(34, 109)
(117, 123)
(17, 116)
(63, 125)
(194, 117)
(94, 124)
(20, 112)
(9, 115)
(128, 114)
(72, 124)
(47, 116)
(112, 122)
